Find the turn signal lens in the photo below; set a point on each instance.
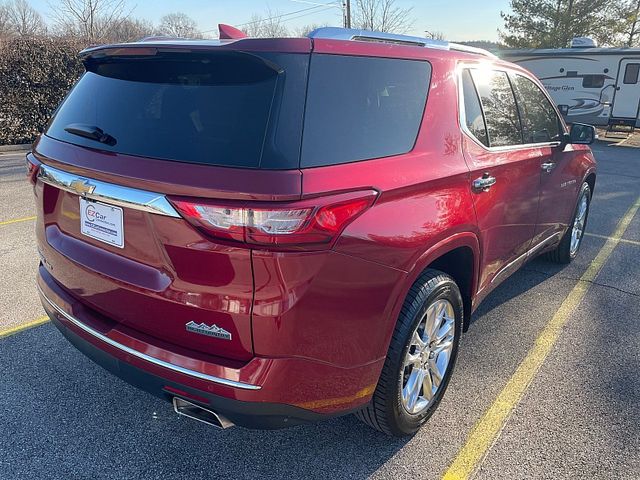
(317, 221)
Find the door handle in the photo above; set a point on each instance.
(548, 166)
(484, 183)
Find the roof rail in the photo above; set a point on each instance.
(337, 33)
(458, 47)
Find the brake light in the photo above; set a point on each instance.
(314, 222)
(32, 169)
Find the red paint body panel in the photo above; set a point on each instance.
(310, 328)
(507, 212)
(171, 178)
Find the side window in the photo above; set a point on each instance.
(499, 105)
(540, 123)
(362, 107)
(593, 81)
(472, 110)
(631, 73)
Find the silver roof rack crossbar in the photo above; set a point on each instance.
(337, 33)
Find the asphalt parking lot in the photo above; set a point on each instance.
(579, 416)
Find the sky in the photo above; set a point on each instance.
(458, 19)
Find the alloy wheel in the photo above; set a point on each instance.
(578, 225)
(427, 359)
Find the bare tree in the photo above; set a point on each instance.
(269, 26)
(305, 30)
(91, 20)
(435, 35)
(179, 25)
(381, 16)
(129, 30)
(24, 20)
(5, 27)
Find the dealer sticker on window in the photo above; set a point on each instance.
(102, 222)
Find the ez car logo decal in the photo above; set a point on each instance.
(204, 329)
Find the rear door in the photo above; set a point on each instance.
(140, 130)
(543, 128)
(505, 173)
(626, 102)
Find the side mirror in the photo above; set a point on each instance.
(582, 133)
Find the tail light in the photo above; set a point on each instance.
(32, 168)
(306, 223)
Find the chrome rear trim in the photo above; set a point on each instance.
(144, 356)
(110, 193)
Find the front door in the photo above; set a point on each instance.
(626, 101)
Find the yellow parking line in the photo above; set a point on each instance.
(485, 433)
(621, 240)
(24, 326)
(16, 220)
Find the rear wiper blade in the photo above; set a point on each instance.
(91, 132)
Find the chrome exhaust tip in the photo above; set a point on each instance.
(196, 412)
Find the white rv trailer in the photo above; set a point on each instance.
(599, 86)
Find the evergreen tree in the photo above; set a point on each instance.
(553, 23)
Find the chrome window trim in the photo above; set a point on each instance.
(144, 356)
(463, 121)
(110, 193)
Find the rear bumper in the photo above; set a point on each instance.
(260, 415)
(263, 393)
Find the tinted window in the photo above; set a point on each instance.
(593, 81)
(360, 108)
(472, 111)
(225, 108)
(540, 122)
(499, 105)
(631, 73)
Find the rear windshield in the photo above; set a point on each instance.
(247, 110)
(229, 108)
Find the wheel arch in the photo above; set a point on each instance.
(459, 257)
(590, 178)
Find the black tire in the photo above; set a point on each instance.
(563, 253)
(385, 412)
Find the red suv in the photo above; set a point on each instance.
(269, 232)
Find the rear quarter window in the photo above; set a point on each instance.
(362, 107)
(473, 117)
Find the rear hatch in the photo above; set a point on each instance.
(146, 128)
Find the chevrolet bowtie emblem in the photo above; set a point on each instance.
(82, 187)
(204, 329)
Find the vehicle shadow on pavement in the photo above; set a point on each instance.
(71, 419)
(532, 274)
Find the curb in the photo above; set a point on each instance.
(23, 147)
